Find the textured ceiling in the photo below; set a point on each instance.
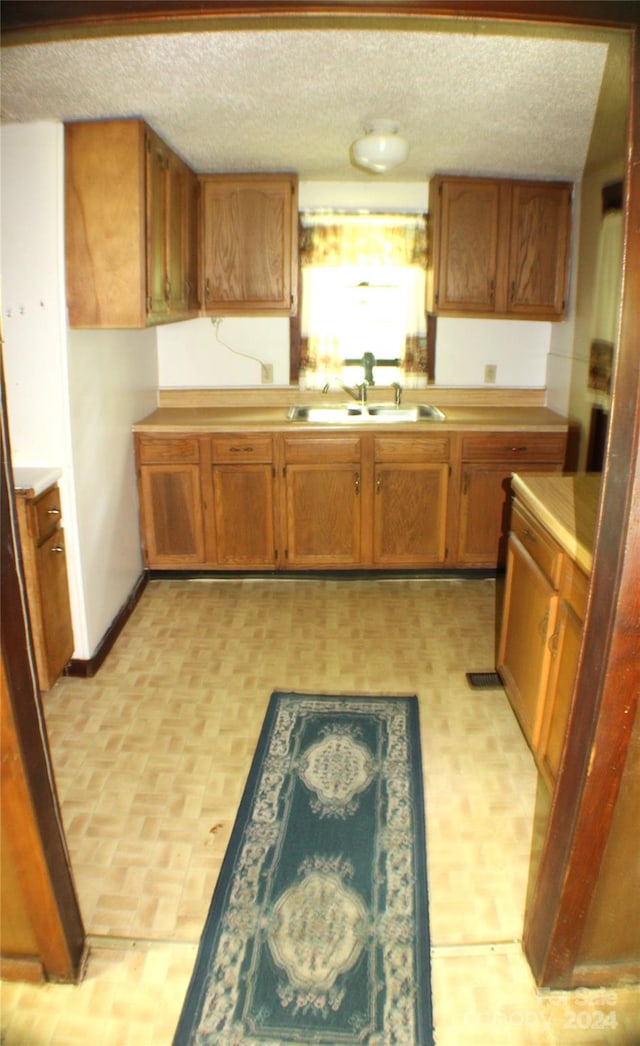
(295, 99)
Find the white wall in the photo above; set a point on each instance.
(71, 401)
(194, 354)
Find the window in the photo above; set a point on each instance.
(362, 291)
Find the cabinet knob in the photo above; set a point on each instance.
(57, 548)
(378, 483)
(356, 479)
(53, 511)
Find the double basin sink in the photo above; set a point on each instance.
(348, 413)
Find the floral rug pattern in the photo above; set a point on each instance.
(318, 929)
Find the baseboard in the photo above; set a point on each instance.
(23, 968)
(87, 669)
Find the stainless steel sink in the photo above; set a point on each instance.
(411, 412)
(347, 413)
(330, 415)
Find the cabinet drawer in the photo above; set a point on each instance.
(242, 448)
(155, 450)
(411, 448)
(514, 446)
(334, 450)
(46, 514)
(540, 546)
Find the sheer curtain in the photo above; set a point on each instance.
(363, 290)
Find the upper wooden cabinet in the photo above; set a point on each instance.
(131, 224)
(499, 247)
(249, 244)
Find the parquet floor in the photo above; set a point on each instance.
(151, 757)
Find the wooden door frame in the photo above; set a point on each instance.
(608, 681)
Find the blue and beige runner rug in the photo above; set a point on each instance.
(318, 929)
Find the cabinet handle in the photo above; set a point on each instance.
(241, 450)
(53, 511)
(57, 548)
(553, 643)
(167, 290)
(378, 483)
(356, 479)
(207, 288)
(528, 535)
(517, 450)
(544, 624)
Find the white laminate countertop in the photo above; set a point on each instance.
(33, 480)
(567, 505)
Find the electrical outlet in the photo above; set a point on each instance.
(490, 371)
(267, 373)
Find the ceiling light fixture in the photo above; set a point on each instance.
(381, 148)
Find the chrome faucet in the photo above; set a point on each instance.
(397, 388)
(357, 392)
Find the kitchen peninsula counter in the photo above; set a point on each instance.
(566, 505)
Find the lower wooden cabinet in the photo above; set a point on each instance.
(307, 500)
(323, 502)
(170, 501)
(488, 461)
(411, 478)
(545, 597)
(45, 570)
(242, 495)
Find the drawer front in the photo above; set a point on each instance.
(156, 450)
(229, 449)
(46, 514)
(514, 446)
(336, 450)
(411, 448)
(540, 545)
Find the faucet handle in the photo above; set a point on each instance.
(397, 387)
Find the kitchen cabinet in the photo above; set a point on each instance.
(411, 479)
(529, 619)
(249, 244)
(487, 462)
(45, 570)
(322, 501)
(129, 227)
(242, 495)
(564, 646)
(499, 247)
(171, 501)
(302, 498)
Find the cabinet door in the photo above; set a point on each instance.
(157, 226)
(243, 506)
(181, 243)
(54, 608)
(467, 262)
(171, 510)
(540, 217)
(249, 244)
(323, 515)
(564, 645)
(410, 514)
(530, 604)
